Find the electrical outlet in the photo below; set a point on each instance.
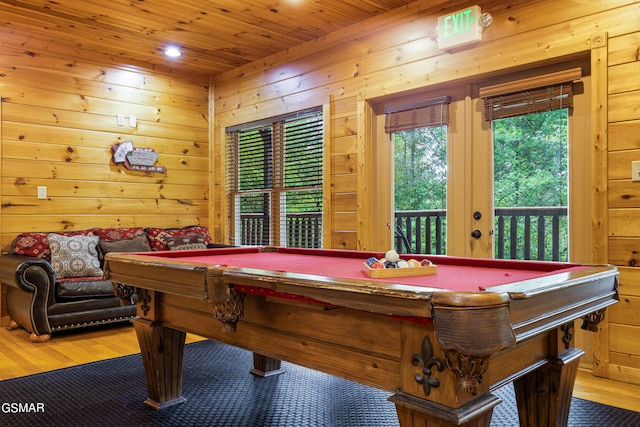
(132, 121)
(635, 170)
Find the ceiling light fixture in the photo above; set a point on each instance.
(173, 51)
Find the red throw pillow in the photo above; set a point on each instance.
(111, 234)
(37, 244)
(158, 236)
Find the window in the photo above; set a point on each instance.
(420, 173)
(530, 122)
(274, 181)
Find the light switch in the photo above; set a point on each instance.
(635, 170)
(132, 121)
(42, 192)
(120, 119)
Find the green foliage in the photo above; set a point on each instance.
(421, 184)
(421, 169)
(530, 166)
(531, 170)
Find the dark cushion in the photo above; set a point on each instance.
(84, 288)
(139, 243)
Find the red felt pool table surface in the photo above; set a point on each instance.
(453, 274)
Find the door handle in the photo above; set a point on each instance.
(476, 234)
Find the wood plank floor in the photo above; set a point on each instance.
(20, 357)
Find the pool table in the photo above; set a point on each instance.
(441, 343)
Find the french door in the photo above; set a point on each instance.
(470, 211)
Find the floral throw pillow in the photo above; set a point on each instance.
(74, 256)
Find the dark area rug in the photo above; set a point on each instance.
(221, 392)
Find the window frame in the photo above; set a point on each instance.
(277, 230)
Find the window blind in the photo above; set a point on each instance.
(418, 114)
(274, 181)
(532, 95)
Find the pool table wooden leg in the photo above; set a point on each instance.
(544, 395)
(162, 350)
(265, 366)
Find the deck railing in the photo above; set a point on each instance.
(538, 233)
(532, 233)
(303, 230)
(254, 230)
(421, 232)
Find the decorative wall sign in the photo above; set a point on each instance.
(139, 159)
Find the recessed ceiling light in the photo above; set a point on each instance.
(173, 51)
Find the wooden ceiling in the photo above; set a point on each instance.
(215, 35)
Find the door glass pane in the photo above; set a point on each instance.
(420, 190)
(531, 186)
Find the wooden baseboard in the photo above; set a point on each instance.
(624, 374)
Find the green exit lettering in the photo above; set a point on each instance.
(457, 23)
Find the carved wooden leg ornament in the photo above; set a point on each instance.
(591, 321)
(231, 311)
(470, 337)
(468, 369)
(124, 292)
(144, 301)
(427, 360)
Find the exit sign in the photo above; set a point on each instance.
(459, 28)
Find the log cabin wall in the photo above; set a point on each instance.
(623, 200)
(58, 127)
(59, 123)
(396, 52)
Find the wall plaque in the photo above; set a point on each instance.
(139, 159)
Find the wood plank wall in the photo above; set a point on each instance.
(396, 53)
(58, 127)
(623, 62)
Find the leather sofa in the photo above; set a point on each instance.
(54, 281)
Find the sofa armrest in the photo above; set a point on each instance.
(31, 284)
(27, 273)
